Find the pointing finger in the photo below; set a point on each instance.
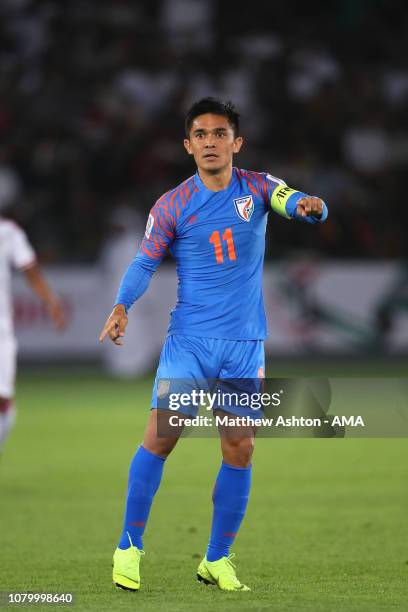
(106, 330)
(103, 334)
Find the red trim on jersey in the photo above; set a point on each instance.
(256, 182)
(166, 211)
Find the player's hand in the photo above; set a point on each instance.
(309, 206)
(56, 313)
(115, 326)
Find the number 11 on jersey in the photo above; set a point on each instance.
(216, 241)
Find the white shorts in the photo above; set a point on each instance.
(8, 357)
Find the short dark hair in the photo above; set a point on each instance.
(216, 107)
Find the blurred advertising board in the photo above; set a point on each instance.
(312, 307)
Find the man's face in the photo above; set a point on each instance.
(212, 142)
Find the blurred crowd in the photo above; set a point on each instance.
(93, 96)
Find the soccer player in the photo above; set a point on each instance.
(16, 251)
(214, 226)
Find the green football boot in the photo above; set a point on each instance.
(221, 573)
(126, 574)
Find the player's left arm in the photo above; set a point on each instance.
(293, 204)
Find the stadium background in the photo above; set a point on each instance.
(91, 122)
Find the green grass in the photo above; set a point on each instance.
(326, 527)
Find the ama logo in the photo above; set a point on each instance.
(244, 207)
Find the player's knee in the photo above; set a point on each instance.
(160, 446)
(238, 451)
(158, 443)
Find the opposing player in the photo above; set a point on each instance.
(16, 251)
(214, 225)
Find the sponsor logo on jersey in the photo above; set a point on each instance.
(149, 226)
(244, 207)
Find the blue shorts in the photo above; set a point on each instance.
(190, 361)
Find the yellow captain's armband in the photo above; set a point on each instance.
(280, 196)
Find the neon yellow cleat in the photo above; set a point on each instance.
(126, 563)
(220, 573)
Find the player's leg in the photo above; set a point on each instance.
(230, 498)
(232, 487)
(145, 474)
(153, 440)
(147, 465)
(237, 448)
(7, 376)
(7, 419)
(178, 360)
(146, 470)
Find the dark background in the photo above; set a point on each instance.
(93, 96)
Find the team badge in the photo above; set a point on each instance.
(244, 207)
(163, 388)
(149, 226)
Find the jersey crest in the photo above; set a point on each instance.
(244, 207)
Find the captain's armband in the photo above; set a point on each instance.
(280, 198)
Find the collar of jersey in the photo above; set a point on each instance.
(210, 192)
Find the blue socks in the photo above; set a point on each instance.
(230, 497)
(145, 475)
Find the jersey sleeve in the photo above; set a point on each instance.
(22, 254)
(283, 200)
(159, 235)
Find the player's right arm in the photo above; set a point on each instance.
(24, 259)
(160, 232)
(51, 301)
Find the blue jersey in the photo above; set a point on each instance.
(217, 239)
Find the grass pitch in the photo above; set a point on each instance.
(326, 527)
